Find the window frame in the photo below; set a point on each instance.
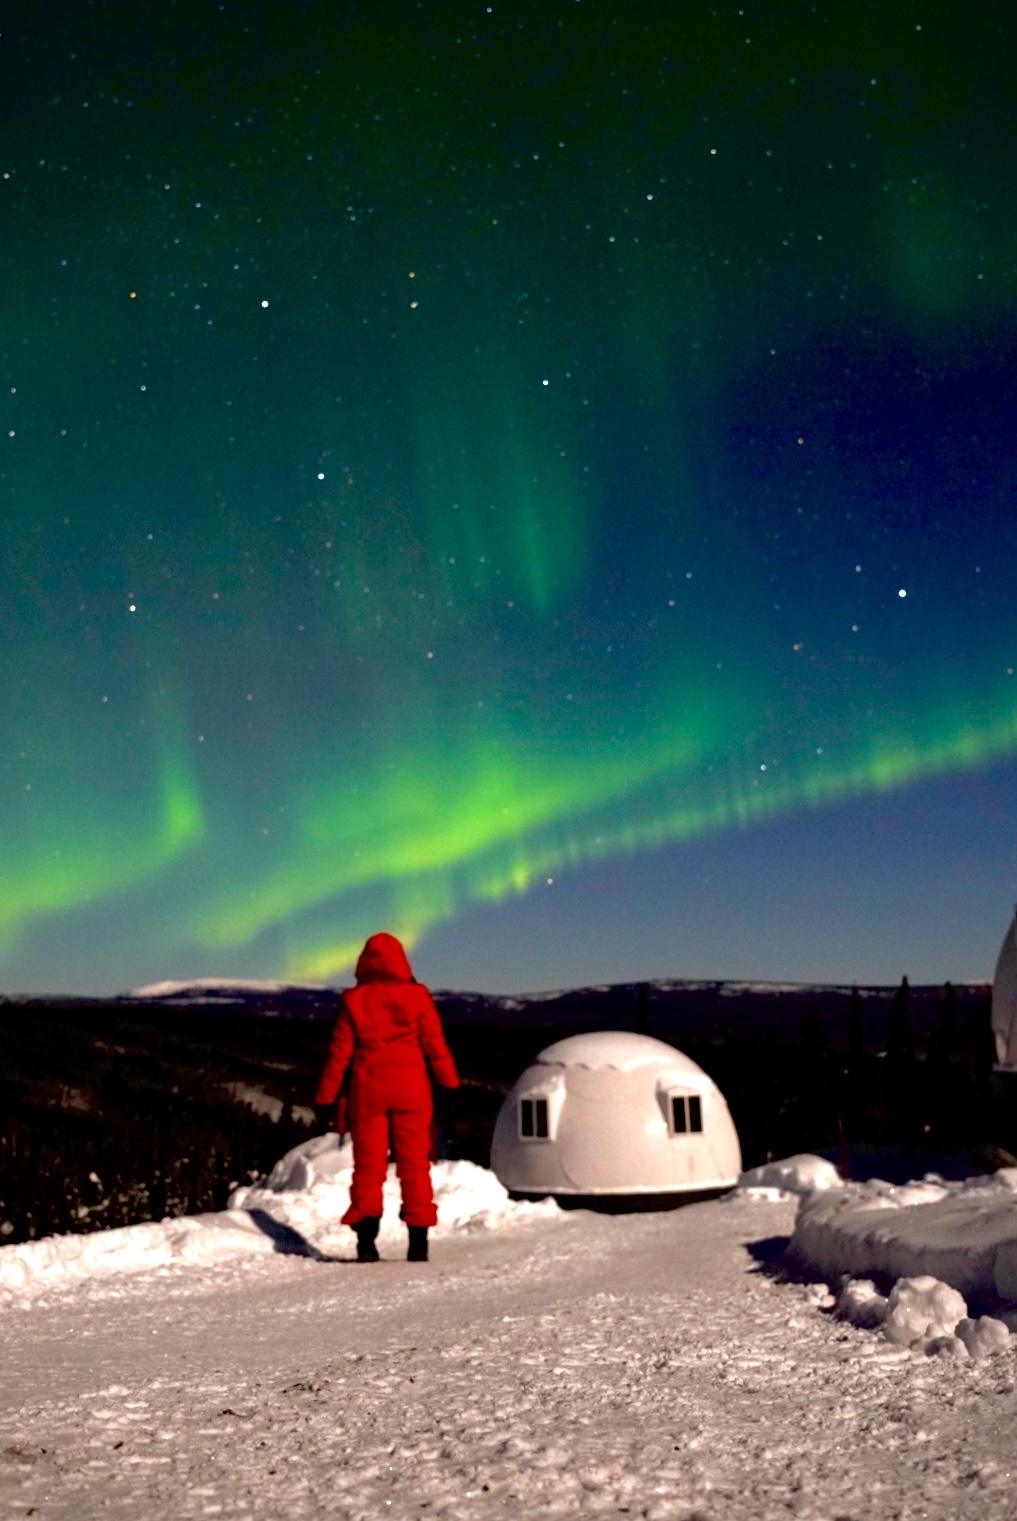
(691, 1113)
(540, 1108)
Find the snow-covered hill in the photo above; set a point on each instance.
(238, 993)
(204, 988)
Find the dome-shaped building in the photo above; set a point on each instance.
(1004, 999)
(617, 1118)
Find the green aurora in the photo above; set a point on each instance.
(425, 490)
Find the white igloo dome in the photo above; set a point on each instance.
(614, 1114)
(1004, 999)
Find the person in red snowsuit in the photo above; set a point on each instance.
(388, 1037)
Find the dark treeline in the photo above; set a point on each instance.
(110, 1115)
(114, 1113)
(836, 1071)
(929, 1099)
(64, 1170)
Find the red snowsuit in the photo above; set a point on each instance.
(387, 1026)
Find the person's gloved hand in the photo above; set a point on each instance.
(324, 1116)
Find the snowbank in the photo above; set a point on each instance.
(799, 1174)
(309, 1190)
(963, 1234)
(297, 1209)
(32, 1267)
(941, 1241)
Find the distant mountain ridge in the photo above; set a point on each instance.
(669, 1008)
(225, 989)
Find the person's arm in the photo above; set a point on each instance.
(339, 1054)
(432, 1038)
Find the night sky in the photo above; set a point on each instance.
(538, 479)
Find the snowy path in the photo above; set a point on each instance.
(582, 1366)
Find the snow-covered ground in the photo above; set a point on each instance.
(544, 1362)
(296, 1210)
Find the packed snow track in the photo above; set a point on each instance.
(576, 1365)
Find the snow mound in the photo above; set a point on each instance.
(32, 1267)
(860, 1302)
(794, 1175)
(924, 1315)
(296, 1210)
(984, 1336)
(921, 1310)
(309, 1190)
(963, 1234)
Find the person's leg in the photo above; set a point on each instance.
(411, 1142)
(370, 1164)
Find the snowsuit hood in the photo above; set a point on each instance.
(383, 960)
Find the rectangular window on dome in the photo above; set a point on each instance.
(686, 1114)
(533, 1119)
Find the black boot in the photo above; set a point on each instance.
(367, 1231)
(418, 1243)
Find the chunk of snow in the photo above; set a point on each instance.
(819, 1295)
(320, 1160)
(920, 1310)
(759, 1195)
(984, 1336)
(794, 1175)
(860, 1302)
(945, 1346)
